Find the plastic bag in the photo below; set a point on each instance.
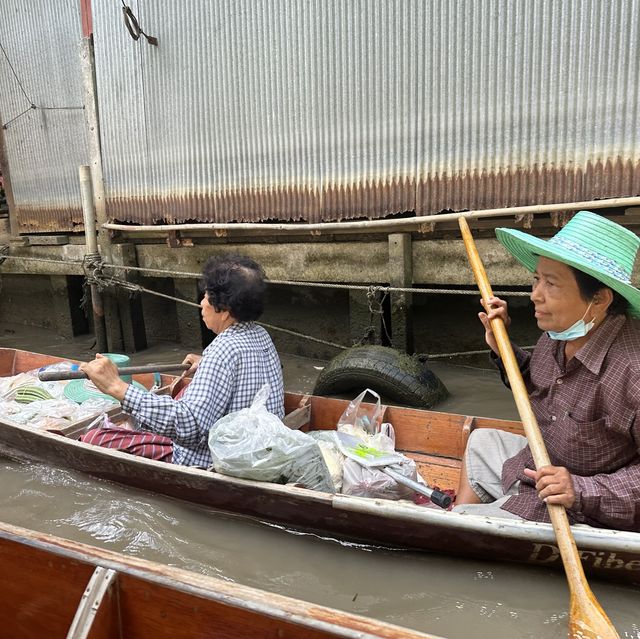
(363, 422)
(10, 386)
(252, 443)
(60, 367)
(333, 458)
(361, 481)
(51, 412)
(361, 417)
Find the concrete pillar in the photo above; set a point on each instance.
(401, 276)
(189, 320)
(133, 335)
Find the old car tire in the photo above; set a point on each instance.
(395, 375)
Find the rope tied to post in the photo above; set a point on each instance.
(376, 296)
(92, 266)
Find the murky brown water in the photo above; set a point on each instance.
(437, 594)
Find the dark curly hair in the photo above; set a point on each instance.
(235, 283)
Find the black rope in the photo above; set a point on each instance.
(29, 100)
(133, 26)
(6, 124)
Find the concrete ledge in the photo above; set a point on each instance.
(47, 240)
(439, 262)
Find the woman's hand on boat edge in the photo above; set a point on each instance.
(194, 361)
(104, 374)
(494, 308)
(554, 485)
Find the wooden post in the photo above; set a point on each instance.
(360, 317)
(189, 320)
(401, 276)
(134, 336)
(67, 316)
(6, 178)
(115, 341)
(91, 243)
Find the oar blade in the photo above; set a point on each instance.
(587, 619)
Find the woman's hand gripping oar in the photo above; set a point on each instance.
(586, 616)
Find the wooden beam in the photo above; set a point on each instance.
(190, 325)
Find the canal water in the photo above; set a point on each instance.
(438, 594)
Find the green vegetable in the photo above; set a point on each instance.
(28, 394)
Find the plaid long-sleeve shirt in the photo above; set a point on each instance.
(588, 411)
(238, 362)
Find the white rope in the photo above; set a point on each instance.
(351, 287)
(91, 260)
(46, 260)
(485, 351)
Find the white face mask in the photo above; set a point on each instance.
(579, 329)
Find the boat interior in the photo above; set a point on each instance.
(434, 440)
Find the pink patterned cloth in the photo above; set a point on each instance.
(131, 441)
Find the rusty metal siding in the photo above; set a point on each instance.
(542, 104)
(259, 110)
(46, 144)
(322, 110)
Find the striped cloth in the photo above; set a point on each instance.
(131, 441)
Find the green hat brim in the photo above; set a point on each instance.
(527, 248)
(75, 391)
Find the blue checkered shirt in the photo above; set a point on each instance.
(232, 370)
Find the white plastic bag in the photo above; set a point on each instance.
(333, 458)
(252, 443)
(361, 481)
(364, 423)
(358, 416)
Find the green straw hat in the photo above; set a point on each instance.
(588, 242)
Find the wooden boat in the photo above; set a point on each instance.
(434, 440)
(80, 592)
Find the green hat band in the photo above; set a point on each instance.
(605, 263)
(588, 242)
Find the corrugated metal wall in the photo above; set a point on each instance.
(324, 109)
(317, 110)
(40, 65)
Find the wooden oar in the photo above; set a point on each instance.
(586, 616)
(56, 376)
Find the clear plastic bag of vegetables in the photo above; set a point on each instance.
(252, 443)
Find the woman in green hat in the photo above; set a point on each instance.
(583, 379)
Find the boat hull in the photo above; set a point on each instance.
(609, 554)
(74, 590)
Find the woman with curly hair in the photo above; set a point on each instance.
(226, 377)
